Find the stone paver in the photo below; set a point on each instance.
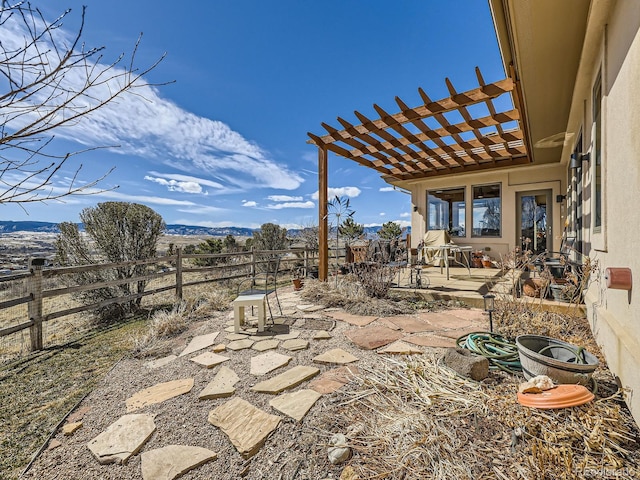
(173, 461)
(160, 362)
(322, 335)
(358, 320)
(441, 320)
(268, 362)
(289, 336)
(259, 338)
(70, 428)
(240, 344)
(246, 426)
(159, 393)
(470, 314)
(295, 344)
(230, 329)
(295, 404)
(372, 337)
(122, 439)
(221, 386)
(430, 341)
(236, 336)
(400, 348)
(221, 347)
(289, 379)
(209, 359)
(411, 324)
(264, 345)
(333, 379)
(310, 308)
(336, 355)
(200, 342)
(388, 323)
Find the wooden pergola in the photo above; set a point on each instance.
(404, 146)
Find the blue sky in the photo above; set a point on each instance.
(226, 144)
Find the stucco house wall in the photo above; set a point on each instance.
(522, 179)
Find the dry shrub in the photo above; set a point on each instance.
(349, 294)
(206, 299)
(164, 324)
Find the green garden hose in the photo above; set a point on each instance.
(502, 354)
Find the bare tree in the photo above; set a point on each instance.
(48, 81)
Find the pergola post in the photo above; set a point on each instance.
(323, 230)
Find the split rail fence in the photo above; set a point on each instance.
(36, 298)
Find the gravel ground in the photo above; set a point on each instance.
(294, 450)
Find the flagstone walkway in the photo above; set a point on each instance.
(293, 366)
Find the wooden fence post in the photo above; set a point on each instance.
(306, 262)
(179, 274)
(35, 304)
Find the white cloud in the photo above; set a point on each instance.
(249, 203)
(382, 214)
(405, 215)
(387, 189)
(280, 206)
(284, 198)
(201, 210)
(332, 192)
(176, 186)
(145, 124)
(187, 178)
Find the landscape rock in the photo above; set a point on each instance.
(240, 344)
(173, 461)
(122, 439)
(467, 363)
(399, 348)
(334, 379)
(264, 345)
(338, 451)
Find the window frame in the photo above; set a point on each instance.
(500, 201)
(451, 225)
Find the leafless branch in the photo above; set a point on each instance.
(37, 97)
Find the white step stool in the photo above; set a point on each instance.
(257, 300)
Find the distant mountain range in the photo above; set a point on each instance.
(48, 227)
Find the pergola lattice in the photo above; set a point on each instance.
(404, 146)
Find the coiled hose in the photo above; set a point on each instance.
(501, 353)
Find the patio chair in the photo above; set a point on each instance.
(264, 282)
(430, 253)
(559, 263)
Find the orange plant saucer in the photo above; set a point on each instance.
(562, 396)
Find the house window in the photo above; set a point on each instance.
(597, 154)
(487, 217)
(446, 211)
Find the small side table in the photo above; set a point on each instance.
(257, 300)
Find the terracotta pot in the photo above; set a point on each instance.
(298, 283)
(487, 263)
